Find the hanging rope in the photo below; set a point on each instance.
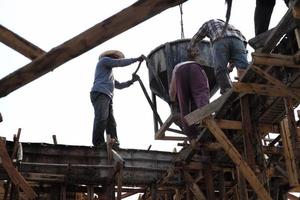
(181, 21)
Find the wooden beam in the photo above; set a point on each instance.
(262, 89)
(286, 24)
(161, 132)
(289, 153)
(19, 44)
(193, 186)
(14, 175)
(237, 159)
(274, 81)
(274, 60)
(197, 115)
(96, 35)
(248, 132)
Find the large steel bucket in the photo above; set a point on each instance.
(162, 60)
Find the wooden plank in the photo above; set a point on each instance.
(242, 189)
(209, 184)
(237, 159)
(261, 89)
(19, 44)
(289, 153)
(247, 131)
(14, 175)
(193, 186)
(285, 25)
(274, 60)
(96, 35)
(274, 81)
(173, 138)
(161, 132)
(197, 115)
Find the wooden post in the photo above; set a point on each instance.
(209, 184)
(54, 139)
(242, 185)
(14, 175)
(221, 186)
(90, 192)
(237, 159)
(247, 131)
(289, 153)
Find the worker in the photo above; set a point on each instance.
(189, 87)
(262, 14)
(228, 46)
(102, 94)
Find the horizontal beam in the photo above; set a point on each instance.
(274, 60)
(96, 35)
(263, 89)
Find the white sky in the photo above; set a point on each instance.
(59, 103)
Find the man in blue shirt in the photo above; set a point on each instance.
(102, 94)
(228, 47)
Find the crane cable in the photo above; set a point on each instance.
(181, 20)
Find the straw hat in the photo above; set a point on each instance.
(115, 53)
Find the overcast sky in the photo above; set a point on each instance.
(59, 103)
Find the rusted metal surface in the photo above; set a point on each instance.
(163, 59)
(88, 165)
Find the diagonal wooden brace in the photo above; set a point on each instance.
(14, 175)
(274, 81)
(237, 159)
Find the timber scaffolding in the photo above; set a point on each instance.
(248, 147)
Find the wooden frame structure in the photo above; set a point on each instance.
(235, 156)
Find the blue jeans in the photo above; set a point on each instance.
(104, 118)
(229, 49)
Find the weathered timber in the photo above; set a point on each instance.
(275, 82)
(164, 127)
(289, 153)
(263, 89)
(197, 115)
(105, 30)
(274, 60)
(247, 131)
(193, 186)
(14, 175)
(286, 24)
(89, 165)
(19, 44)
(237, 159)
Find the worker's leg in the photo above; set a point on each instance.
(221, 59)
(100, 103)
(238, 55)
(184, 98)
(262, 15)
(111, 127)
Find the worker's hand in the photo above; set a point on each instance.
(135, 77)
(193, 52)
(141, 58)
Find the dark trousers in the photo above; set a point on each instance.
(104, 118)
(192, 93)
(262, 15)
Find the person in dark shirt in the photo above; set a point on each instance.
(102, 94)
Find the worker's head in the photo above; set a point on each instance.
(112, 54)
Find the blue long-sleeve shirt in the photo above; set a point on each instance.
(104, 81)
